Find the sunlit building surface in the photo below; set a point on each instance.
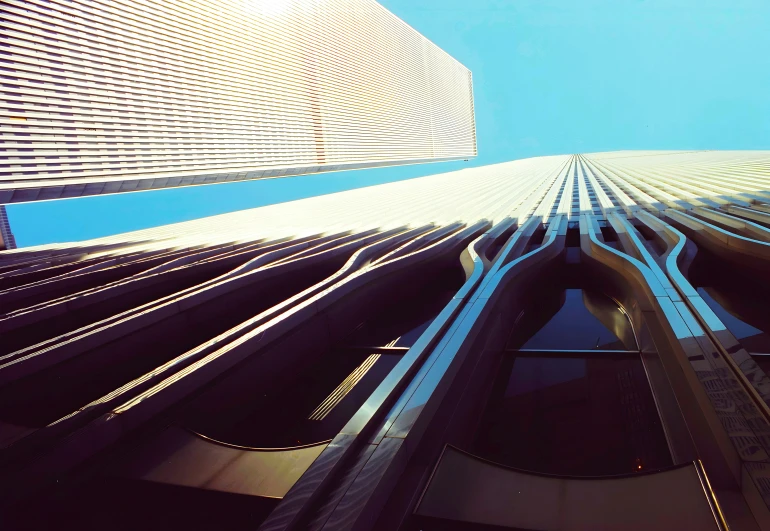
(556, 343)
(102, 97)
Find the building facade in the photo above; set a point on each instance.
(7, 240)
(105, 97)
(565, 342)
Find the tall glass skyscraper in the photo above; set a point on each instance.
(117, 96)
(565, 342)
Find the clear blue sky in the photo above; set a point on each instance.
(549, 77)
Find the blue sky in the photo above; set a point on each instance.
(549, 77)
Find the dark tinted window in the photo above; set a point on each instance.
(573, 416)
(572, 319)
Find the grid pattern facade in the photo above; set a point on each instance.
(583, 339)
(103, 97)
(568, 185)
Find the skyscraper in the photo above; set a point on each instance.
(105, 97)
(7, 240)
(566, 342)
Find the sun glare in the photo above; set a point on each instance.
(269, 7)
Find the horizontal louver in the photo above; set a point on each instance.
(104, 96)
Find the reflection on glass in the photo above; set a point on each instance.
(573, 319)
(405, 322)
(316, 400)
(313, 408)
(752, 338)
(100, 370)
(572, 416)
(737, 298)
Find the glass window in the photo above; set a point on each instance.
(573, 319)
(583, 416)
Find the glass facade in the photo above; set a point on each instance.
(592, 416)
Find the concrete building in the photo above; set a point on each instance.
(565, 342)
(105, 97)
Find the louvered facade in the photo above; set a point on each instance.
(565, 342)
(104, 97)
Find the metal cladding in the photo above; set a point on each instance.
(129, 96)
(565, 342)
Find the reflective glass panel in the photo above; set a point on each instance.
(737, 297)
(572, 319)
(573, 416)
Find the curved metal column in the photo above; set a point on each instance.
(175, 381)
